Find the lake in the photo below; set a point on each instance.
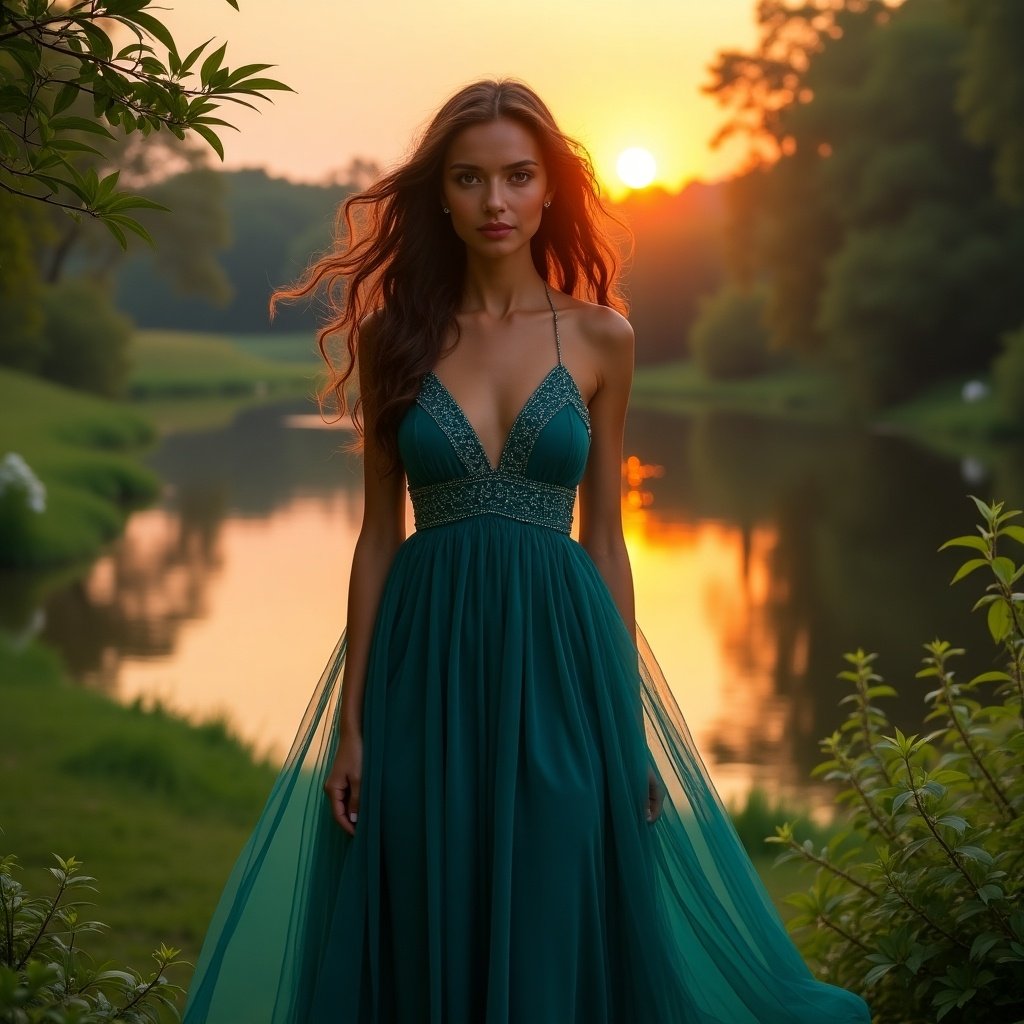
(761, 550)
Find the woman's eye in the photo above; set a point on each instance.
(521, 177)
(466, 178)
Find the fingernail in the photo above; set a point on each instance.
(353, 815)
(650, 816)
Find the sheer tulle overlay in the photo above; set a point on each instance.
(502, 869)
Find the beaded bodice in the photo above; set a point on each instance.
(540, 466)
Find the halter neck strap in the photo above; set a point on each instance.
(554, 313)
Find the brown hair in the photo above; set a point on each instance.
(396, 253)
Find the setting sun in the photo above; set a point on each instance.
(636, 167)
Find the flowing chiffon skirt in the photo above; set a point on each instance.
(502, 869)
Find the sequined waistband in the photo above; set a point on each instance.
(515, 497)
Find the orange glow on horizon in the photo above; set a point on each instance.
(623, 76)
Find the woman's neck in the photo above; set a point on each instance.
(501, 287)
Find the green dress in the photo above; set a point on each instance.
(502, 869)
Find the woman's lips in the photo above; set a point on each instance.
(495, 230)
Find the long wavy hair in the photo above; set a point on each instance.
(397, 255)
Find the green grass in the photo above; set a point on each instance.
(176, 364)
(156, 809)
(682, 387)
(937, 417)
(294, 347)
(940, 418)
(84, 450)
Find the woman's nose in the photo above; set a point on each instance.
(495, 198)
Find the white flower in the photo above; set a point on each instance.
(16, 475)
(974, 391)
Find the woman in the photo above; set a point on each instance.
(499, 844)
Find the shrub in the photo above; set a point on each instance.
(86, 339)
(729, 338)
(1008, 378)
(46, 977)
(917, 902)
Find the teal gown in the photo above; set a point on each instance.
(502, 869)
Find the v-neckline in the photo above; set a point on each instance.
(515, 422)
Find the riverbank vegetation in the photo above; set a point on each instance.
(880, 226)
(186, 364)
(84, 452)
(156, 808)
(918, 902)
(957, 416)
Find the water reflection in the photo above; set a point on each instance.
(761, 551)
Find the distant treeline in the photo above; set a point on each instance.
(276, 226)
(880, 232)
(877, 232)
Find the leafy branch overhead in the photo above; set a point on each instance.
(120, 59)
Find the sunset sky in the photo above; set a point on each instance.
(368, 75)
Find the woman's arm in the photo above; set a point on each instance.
(601, 488)
(381, 533)
(611, 338)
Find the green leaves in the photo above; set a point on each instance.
(46, 976)
(50, 58)
(920, 905)
(1000, 599)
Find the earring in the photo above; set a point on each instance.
(446, 210)
(547, 203)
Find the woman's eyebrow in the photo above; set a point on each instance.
(507, 167)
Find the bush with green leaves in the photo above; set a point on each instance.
(45, 975)
(918, 902)
(729, 338)
(87, 339)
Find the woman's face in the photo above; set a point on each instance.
(495, 184)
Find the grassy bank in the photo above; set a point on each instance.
(938, 417)
(84, 450)
(157, 809)
(186, 364)
(683, 388)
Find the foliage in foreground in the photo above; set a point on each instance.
(917, 902)
(52, 54)
(45, 975)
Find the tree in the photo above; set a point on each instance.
(991, 93)
(782, 226)
(877, 227)
(729, 339)
(275, 225)
(174, 173)
(53, 53)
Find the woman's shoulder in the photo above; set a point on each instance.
(602, 328)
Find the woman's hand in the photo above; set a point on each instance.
(343, 782)
(655, 796)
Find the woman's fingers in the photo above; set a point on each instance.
(655, 796)
(353, 800)
(339, 809)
